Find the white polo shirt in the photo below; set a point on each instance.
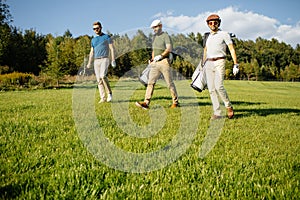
(216, 44)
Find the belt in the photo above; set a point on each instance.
(216, 58)
(101, 57)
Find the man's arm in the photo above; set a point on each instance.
(233, 54)
(204, 55)
(91, 58)
(112, 51)
(167, 50)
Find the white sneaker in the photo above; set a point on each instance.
(109, 97)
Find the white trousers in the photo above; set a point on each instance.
(215, 73)
(101, 67)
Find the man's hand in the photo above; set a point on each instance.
(88, 65)
(235, 69)
(157, 58)
(113, 63)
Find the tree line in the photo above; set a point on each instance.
(30, 52)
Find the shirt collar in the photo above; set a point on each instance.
(211, 32)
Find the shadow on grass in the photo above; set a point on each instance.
(12, 190)
(195, 101)
(246, 103)
(141, 87)
(264, 112)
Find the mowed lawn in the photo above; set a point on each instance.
(256, 154)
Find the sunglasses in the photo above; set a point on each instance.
(153, 27)
(213, 23)
(96, 28)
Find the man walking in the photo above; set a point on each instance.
(214, 55)
(160, 64)
(101, 44)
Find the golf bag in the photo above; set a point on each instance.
(145, 76)
(199, 79)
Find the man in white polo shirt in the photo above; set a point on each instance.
(214, 54)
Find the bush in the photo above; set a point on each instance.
(4, 69)
(16, 80)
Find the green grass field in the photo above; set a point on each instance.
(256, 156)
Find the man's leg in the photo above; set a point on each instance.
(166, 71)
(210, 76)
(153, 76)
(103, 73)
(97, 68)
(219, 82)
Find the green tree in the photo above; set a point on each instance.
(67, 34)
(81, 50)
(248, 70)
(5, 30)
(141, 49)
(199, 39)
(187, 54)
(295, 58)
(245, 50)
(256, 68)
(25, 52)
(34, 51)
(291, 72)
(67, 58)
(123, 50)
(273, 53)
(62, 58)
(53, 67)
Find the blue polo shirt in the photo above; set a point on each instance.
(100, 44)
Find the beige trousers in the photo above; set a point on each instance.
(158, 68)
(101, 67)
(215, 72)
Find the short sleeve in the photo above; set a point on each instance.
(227, 38)
(109, 40)
(168, 39)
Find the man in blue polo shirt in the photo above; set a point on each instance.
(214, 55)
(101, 45)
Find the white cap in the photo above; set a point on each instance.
(155, 23)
